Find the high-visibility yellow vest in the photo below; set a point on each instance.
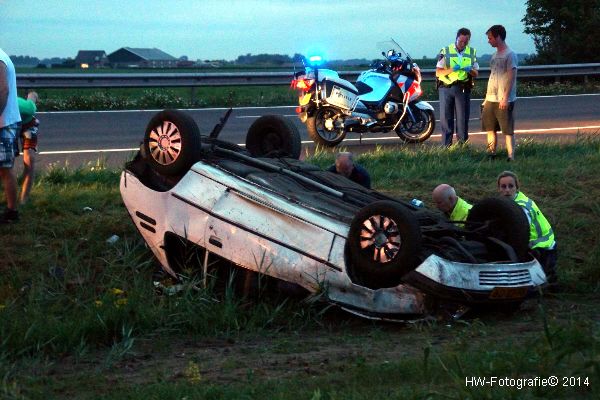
(541, 234)
(467, 59)
(460, 211)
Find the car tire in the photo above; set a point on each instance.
(507, 223)
(273, 136)
(384, 243)
(171, 142)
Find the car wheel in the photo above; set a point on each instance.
(384, 244)
(505, 221)
(273, 136)
(172, 142)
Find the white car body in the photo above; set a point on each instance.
(261, 230)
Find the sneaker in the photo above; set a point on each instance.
(491, 156)
(9, 216)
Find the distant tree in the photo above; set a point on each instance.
(52, 61)
(68, 63)
(297, 57)
(563, 31)
(268, 59)
(24, 60)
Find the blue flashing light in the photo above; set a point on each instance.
(315, 60)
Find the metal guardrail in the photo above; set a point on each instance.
(141, 80)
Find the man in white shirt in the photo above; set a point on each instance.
(10, 120)
(501, 93)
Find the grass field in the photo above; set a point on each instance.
(80, 317)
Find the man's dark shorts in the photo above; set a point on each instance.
(493, 118)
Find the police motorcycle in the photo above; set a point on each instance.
(384, 98)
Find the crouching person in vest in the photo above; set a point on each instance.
(541, 235)
(445, 199)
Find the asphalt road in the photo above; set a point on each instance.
(78, 137)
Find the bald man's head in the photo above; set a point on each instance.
(444, 197)
(344, 164)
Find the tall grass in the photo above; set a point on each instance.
(65, 291)
(560, 178)
(434, 369)
(59, 276)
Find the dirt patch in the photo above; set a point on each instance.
(344, 341)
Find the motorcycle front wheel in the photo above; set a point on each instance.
(323, 127)
(420, 129)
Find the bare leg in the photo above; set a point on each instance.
(491, 139)
(28, 174)
(10, 187)
(510, 146)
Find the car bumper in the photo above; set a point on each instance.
(478, 283)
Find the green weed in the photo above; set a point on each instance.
(65, 293)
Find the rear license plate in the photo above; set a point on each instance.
(508, 293)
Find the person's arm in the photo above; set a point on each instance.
(440, 68)
(3, 87)
(505, 96)
(368, 181)
(443, 71)
(511, 75)
(475, 67)
(365, 178)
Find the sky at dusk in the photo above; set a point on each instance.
(225, 29)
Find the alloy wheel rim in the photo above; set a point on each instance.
(329, 135)
(165, 143)
(380, 234)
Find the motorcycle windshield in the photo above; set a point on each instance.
(390, 45)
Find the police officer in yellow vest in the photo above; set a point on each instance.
(541, 235)
(445, 199)
(456, 68)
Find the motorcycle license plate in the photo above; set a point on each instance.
(303, 100)
(508, 293)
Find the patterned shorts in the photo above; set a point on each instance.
(29, 135)
(8, 145)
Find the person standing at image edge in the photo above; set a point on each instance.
(456, 68)
(10, 121)
(501, 93)
(29, 137)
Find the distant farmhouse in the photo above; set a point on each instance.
(127, 57)
(91, 59)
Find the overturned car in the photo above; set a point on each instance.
(265, 211)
